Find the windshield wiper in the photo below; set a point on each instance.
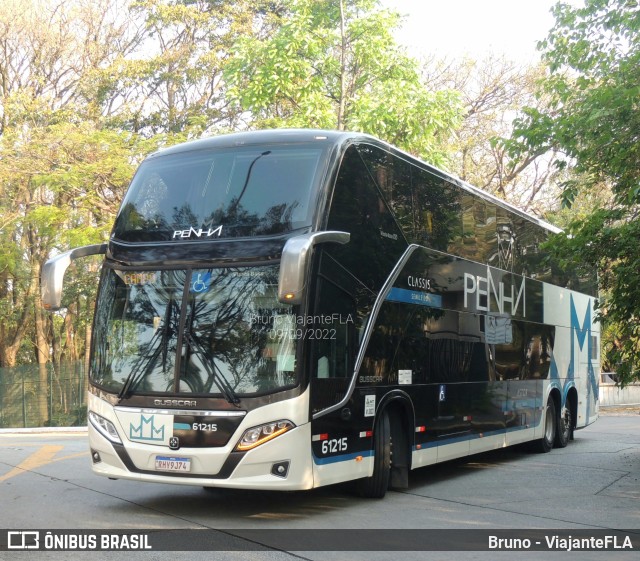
(213, 371)
(145, 363)
(246, 181)
(141, 369)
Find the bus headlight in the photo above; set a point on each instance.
(104, 427)
(259, 435)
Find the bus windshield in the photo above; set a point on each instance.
(206, 194)
(202, 331)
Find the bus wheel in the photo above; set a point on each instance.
(564, 428)
(375, 487)
(545, 444)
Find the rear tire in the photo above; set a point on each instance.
(564, 430)
(375, 487)
(545, 444)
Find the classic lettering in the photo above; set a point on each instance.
(419, 282)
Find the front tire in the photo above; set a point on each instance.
(375, 487)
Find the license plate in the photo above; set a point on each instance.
(170, 463)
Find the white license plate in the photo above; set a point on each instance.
(170, 463)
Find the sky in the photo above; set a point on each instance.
(454, 28)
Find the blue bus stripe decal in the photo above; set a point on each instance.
(446, 441)
(341, 457)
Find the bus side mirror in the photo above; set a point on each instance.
(295, 260)
(52, 276)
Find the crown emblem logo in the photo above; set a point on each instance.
(146, 430)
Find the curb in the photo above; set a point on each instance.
(44, 430)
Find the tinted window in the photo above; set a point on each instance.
(358, 207)
(332, 340)
(437, 211)
(236, 334)
(478, 229)
(225, 193)
(393, 177)
(435, 345)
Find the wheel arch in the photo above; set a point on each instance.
(571, 401)
(554, 393)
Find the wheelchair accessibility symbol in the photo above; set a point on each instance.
(200, 283)
(442, 393)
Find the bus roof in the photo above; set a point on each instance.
(338, 138)
(249, 138)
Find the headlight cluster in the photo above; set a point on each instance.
(250, 439)
(259, 435)
(104, 427)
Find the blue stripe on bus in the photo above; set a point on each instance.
(181, 426)
(446, 441)
(430, 444)
(415, 297)
(341, 457)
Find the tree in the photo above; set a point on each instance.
(170, 79)
(87, 87)
(61, 172)
(61, 183)
(48, 47)
(335, 65)
(593, 57)
(493, 90)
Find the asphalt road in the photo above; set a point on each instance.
(593, 485)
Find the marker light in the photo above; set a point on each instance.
(104, 427)
(259, 435)
(289, 296)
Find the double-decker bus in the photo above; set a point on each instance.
(290, 309)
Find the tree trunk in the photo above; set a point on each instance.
(343, 72)
(70, 334)
(42, 328)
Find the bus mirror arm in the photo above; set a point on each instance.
(52, 276)
(295, 260)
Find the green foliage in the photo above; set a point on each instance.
(335, 65)
(62, 177)
(593, 54)
(170, 79)
(70, 175)
(89, 88)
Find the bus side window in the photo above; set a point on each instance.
(437, 211)
(357, 207)
(332, 332)
(332, 340)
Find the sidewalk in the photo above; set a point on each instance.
(620, 409)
